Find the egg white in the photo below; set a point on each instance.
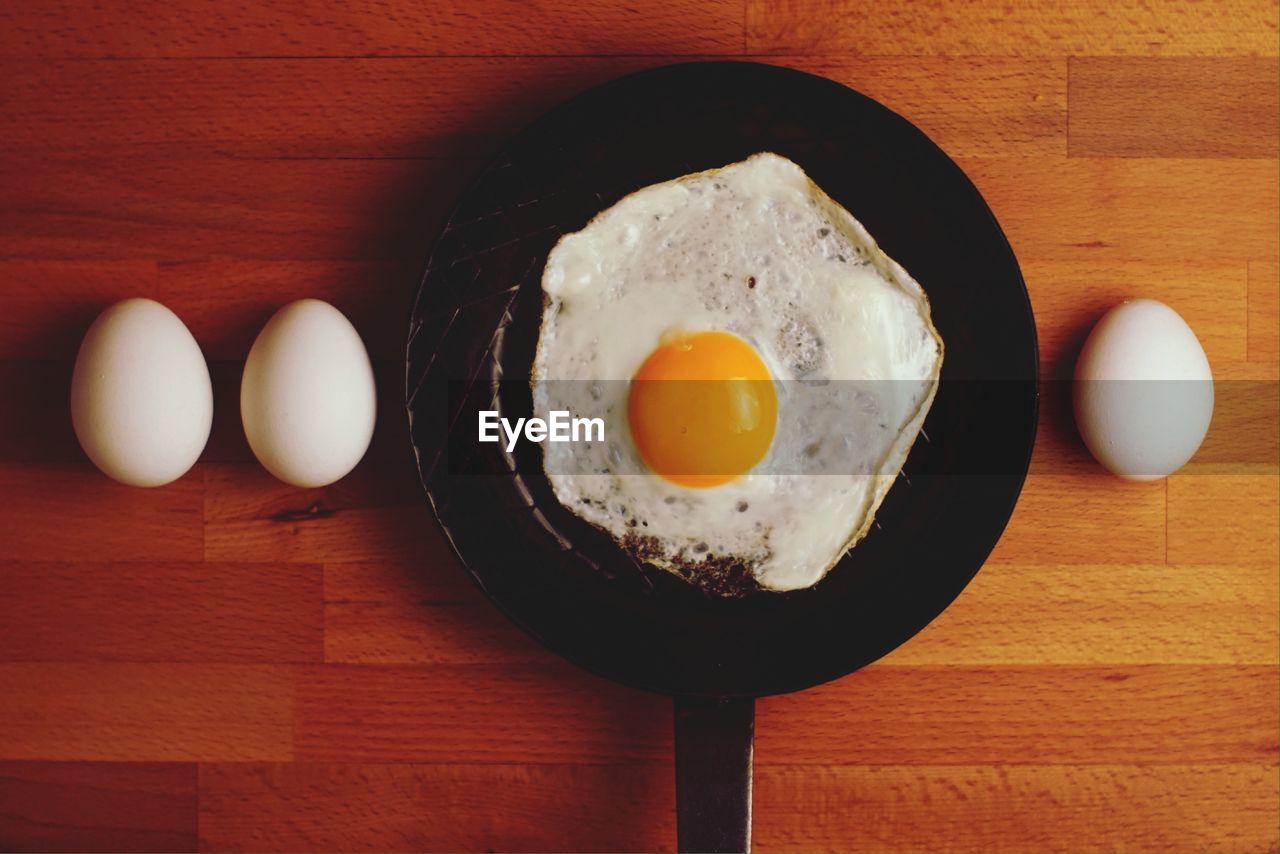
(758, 250)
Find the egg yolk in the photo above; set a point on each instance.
(702, 408)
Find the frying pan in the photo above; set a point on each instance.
(471, 342)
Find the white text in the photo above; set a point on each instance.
(560, 427)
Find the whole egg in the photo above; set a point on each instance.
(1143, 391)
(141, 399)
(307, 399)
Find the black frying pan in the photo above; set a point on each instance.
(471, 345)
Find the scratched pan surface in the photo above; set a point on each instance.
(474, 329)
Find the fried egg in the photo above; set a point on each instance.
(761, 366)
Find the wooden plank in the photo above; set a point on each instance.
(1083, 516)
(440, 107)
(193, 612)
(368, 28)
(297, 108)
(74, 512)
(1035, 28)
(1068, 615)
(374, 295)
(1247, 372)
(1015, 809)
(434, 577)
(199, 211)
(1216, 518)
(1264, 310)
(1081, 209)
(970, 106)
(1159, 210)
(375, 513)
(421, 612)
(51, 304)
(1081, 695)
(1174, 107)
(1243, 438)
(324, 807)
(146, 712)
(416, 633)
(811, 808)
(400, 613)
(1057, 714)
(1070, 296)
(96, 806)
(1156, 714)
(521, 713)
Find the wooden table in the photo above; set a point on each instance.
(228, 663)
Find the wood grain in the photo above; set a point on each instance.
(146, 712)
(967, 715)
(229, 663)
(1094, 209)
(73, 512)
(1070, 296)
(1036, 28)
(293, 108)
(1251, 371)
(1217, 516)
(420, 614)
(1174, 107)
(1067, 808)
(407, 612)
(1264, 310)
(459, 713)
(205, 209)
(1076, 517)
(53, 302)
(452, 807)
(907, 808)
(442, 107)
(315, 28)
(375, 513)
(1109, 209)
(98, 806)
(192, 612)
(1241, 438)
(1061, 714)
(1106, 614)
(971, 107)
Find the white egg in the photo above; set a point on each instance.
(141, 399)
(307, 399)
(1143, 391)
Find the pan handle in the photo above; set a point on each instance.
(714, 746)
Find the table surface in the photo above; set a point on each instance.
(228, 663)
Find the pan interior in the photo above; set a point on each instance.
(474, 332)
